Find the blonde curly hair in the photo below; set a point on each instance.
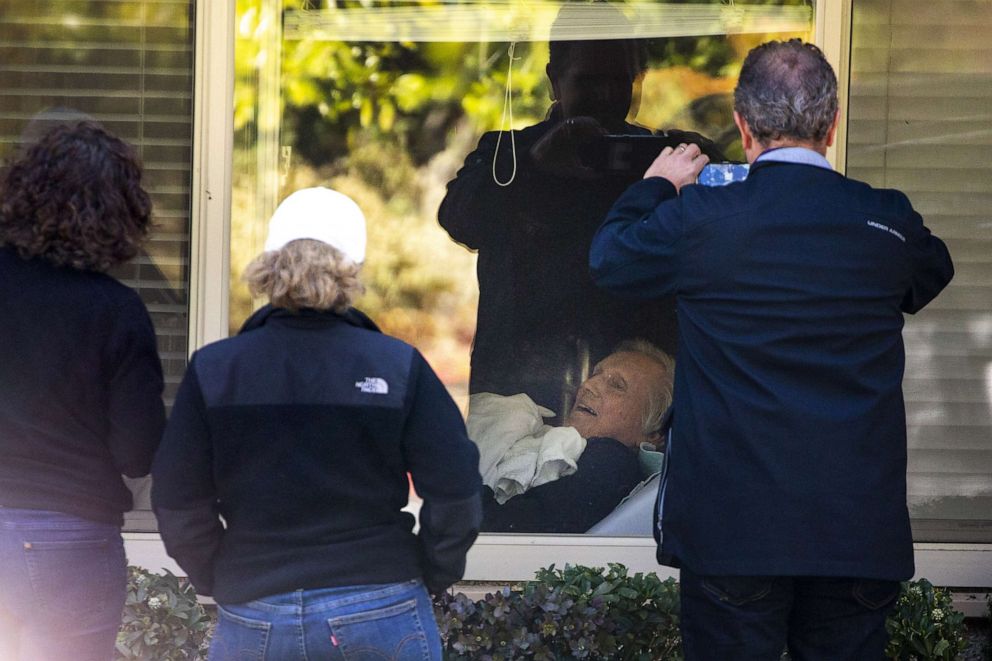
(305, 274)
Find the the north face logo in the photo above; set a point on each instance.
(373, 385)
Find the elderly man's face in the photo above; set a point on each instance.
(612, 402)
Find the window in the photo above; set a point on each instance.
(129, 66)
(921, 121)
(452, 112)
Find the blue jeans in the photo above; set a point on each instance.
(62, 586)
(757, 617)
(356, 623)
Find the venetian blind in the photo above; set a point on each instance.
(129, 65)
(921, 121)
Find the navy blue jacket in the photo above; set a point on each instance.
(80, 390)
(788, 449)
(299, 432)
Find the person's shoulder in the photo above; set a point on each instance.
(123, 296)
(381, 342)
(219, 349)
(521, 137)
(373, 338)
(103, 289)
(887, 202)
(703, 204)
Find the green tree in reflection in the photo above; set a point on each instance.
(389, 122)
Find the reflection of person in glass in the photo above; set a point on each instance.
(617, 409)
(541, 321)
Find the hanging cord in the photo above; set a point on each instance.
(507, 107)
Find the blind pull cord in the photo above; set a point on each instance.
(507, 108)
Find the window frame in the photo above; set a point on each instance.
(494, 557)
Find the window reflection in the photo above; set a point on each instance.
(482, 258)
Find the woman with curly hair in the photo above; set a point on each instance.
(80, 391)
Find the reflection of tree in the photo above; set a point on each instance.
(391, 121)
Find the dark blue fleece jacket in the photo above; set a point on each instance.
(299, 433)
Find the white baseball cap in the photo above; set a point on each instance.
(321, 214)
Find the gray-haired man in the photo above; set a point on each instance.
(785, 498)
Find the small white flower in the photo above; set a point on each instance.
(937, 615)
(141, 580)
(155, 603)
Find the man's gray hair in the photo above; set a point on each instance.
(787, 89)
(660, 396)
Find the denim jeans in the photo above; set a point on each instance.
(62, 586)
(356, 623)
(757, 617)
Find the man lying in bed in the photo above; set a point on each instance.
(616, 409)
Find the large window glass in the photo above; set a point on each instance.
(471, 134)
(921, 121)
(129, 66)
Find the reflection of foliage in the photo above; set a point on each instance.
(387, 123)
(417, 92)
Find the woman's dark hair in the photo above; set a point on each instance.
(75, 199)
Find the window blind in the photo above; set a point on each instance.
(921, 121)
(128, 64)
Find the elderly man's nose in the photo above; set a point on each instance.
(591, 386)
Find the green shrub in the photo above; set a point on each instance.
(988, 642)
(925, 625)
(162, 619)
(575, 613)
(572, 613)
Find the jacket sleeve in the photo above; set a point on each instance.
(474, 203)
(931, 266)
(183, 493)
(136, 413)
(634, 251)
(444, 465)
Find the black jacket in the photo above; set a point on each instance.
(299, 432)
(80, 390)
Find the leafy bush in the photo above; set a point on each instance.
(925, 625)
(572, 613)
(575, 613)
(162, 619)
(988, 643)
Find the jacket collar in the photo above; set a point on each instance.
(307, 317)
